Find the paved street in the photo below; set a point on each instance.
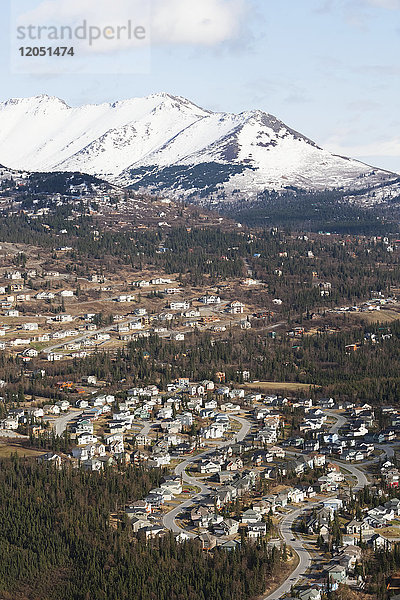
(169, 520)
(285, 526)
(60, 423)
(85, 336)
(340, 420)
(297, 545)
(356, 472)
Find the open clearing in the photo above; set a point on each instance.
(277, 386)
(379, 316)
(9, 447)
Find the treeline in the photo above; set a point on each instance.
(196, 253)
(61, 183)
(354, 267)
(57, 542)
(371, 372)
(200, 255)
(324, 360)
(380, 567)
(326, 211)
(50, 441)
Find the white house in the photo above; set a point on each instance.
(31, 352)
(53, 357)
(81, 403)
(332, 504)
(86, 438)
(251, 516)
(208, 466)
(63, 318)
(63, 404)
(20, 342)
(235, 308)
(160, 460)
(212, 432)
(102, 337)
(45, 296)
(43, 338)
(9, 423)
(52, 409)
(13, 275)
(210, 300)
(177, 336)
(184, 305)
(30, 326)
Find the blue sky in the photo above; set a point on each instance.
(328, 68)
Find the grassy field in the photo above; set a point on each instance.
(9, 447)
(277, 386)
(390, 532)
(378, 316)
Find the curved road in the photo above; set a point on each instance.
(356, 472)
(285, 527)
(86, 335)
(340, 421)
(60, 424)
(180, 471)
(286, 524)
(362, 479)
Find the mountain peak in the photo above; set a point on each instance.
(178, 102)
(37, 99)
(42, 101)
(47, 98)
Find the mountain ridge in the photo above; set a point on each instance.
(165, 144)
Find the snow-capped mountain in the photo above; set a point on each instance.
(169, 144)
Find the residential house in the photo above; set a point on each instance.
(310, 594)
(235, 308)
(256, 530)
(336, 574)
(226, 527)
(332, 504)
(207, 541)
(137, 523)
(93, 464)
(251, 516)
(208, 467)
(296, 495)
(357, 528)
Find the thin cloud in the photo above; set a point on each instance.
(390, 4)
(207, 23)
(361, 106)
(380, 147)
